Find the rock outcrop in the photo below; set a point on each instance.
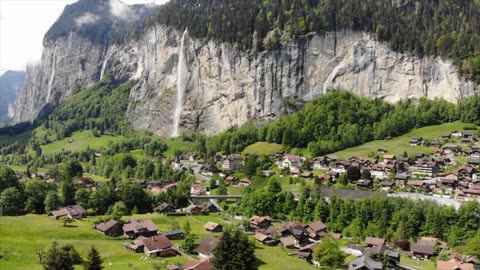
(10, 84)
(228, 87)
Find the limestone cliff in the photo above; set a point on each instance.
(228, 87)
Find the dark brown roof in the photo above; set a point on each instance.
(424, 247)
(157, 242)
(317, 226)
(103, 227)
(210, 226)
(207, 245)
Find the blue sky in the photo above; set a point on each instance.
(23, 24)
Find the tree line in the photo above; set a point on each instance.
(339, 120)
(445, 28)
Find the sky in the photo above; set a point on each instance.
(23, 23)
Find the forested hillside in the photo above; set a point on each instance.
(340, 120)
(446, 28)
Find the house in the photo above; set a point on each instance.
(71, 211)
(454, 264)
(292, 162)
(265, 239)
(164, 208)
(381, 151)
(206, 247)
(208, 170)
(232, 163)
(213, 227)
(211, 208)
(364, 184)
(257, 222)
(245, 182)
(474, 162)
(83, 181)
(378, 171)
(232, 180)
(389, 159)
(374, 241)
(202, 264)
(321, 163)
(111, 228)
(448, 184)
(401, 179)
(365, 263)
(445, 136)
(387, 185)
(158, 245)
(175, 234)
(297, 230)
(307, 175)
(135, 228)
(289, 242)
(317, 229)
(423, 249)
(457, 133)
(196, 189)
(194, 210)
(169, 187)
(415, 141)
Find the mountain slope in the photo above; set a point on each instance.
(10, 84)
(225, 84)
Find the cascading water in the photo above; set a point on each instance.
(181, 85)
(53, 74)
(104, 65)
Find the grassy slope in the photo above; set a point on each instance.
(81, 140)
(400, 144)
(22, 236)
(262, 148)
(20, 138)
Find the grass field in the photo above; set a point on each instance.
(400, 144)
(417, 264)
(22, 236)
(80, 141)
(176, 144)
(262, 148)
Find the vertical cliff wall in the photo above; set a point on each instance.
(225, 86)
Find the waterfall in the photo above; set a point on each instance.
(51, 76)
(104, 65)
(181, 85)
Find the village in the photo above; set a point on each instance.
(450, 172)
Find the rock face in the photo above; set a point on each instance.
(10, 84)
(228, 87)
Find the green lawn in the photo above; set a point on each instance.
(262, 148)
(400, 144)
(417, 264)
(80, 141)
(176, 144)
(22, 236)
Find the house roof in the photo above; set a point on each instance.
(173, 232)
(202, 264)
(157, 242)
(258, 219)
(103, 227)
(162, 207)
(207, 245)
(424, 247)
(288, 241)
(365, 262)
(317, 226)
(374, 241)
(210, 226)
(137, 225)
(261, 237)
(72, 210)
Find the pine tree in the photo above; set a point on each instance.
(189, 241)
(94, 261)
(234, 251)
(57, 259)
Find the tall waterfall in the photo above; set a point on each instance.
(107, 57)
(53, 74)
(181, 85)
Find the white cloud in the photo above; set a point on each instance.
(87, 18)
(121, 10)
(24, 24)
